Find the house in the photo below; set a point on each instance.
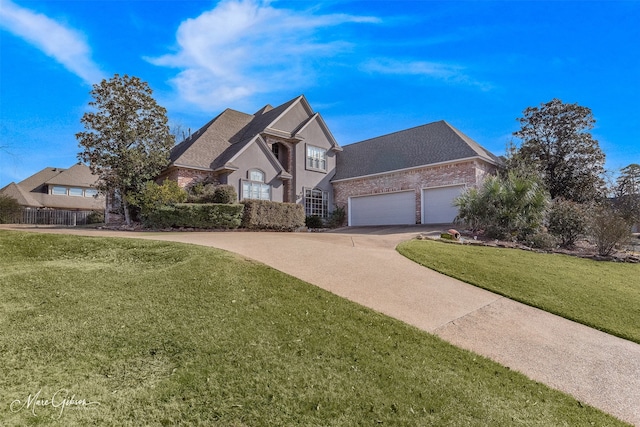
(283, 154)
(410, 176)
(288, 154)
(58, 189)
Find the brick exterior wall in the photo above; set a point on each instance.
(186, 177)
(286, 153)
(470, 172)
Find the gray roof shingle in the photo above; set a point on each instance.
(432, 143)
(77, 175)
(32, 191)
(224, 136)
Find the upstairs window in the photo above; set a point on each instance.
(255, 187)
(76, 192)
(59, 191)
(90, 192)
(316, 158)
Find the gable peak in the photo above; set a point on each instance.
(263, 110)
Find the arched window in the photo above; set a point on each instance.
(255, 175)
(254, 187)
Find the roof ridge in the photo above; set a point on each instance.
(395, 132)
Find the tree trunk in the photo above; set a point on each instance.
(125, 206)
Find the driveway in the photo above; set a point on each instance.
(361, 264)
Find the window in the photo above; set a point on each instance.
(59, 191)
(275, 149)
(254, 187)
(76, 192)
(256, 175)
(316, 158)
(90, 192)
(316, 202)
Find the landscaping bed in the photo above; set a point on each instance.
(627, 252)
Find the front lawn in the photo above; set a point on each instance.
(603, 295)
(155, 333)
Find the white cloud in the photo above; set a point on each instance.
(244, 47)
(450, 73)
(65, 45)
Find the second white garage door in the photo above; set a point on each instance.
(383, 209)
(437, 204)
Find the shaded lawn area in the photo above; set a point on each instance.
(162, 333)
(603, 295)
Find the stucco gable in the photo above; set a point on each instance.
(317, 120)
(236, 151)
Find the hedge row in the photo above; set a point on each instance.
(196, 216)
(266, 215)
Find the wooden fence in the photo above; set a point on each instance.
(48, 217)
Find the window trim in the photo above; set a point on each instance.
(262, 187)
(322, 202)
(79, 192)
(254, 170)
(59, 187)
(310, 158)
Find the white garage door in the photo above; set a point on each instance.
(383, 209)
(437, 204)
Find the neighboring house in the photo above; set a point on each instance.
(57, 188)
(283, 154)
(287, 154)
(409, 177)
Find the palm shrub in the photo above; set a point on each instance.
(504, 206)
(567, 220)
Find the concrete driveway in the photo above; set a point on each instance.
(361, 264)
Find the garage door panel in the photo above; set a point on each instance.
(383, 209)
(437, 204)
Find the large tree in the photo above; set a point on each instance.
(127, 139)
(627, 193)
(556, 140)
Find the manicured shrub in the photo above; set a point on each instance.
(267, 215)
(212, 193)
(201, 192)
(200, 215)
(95, 217)
(10, 209)
(313, 221)
(225, 194)
(567, 220)
(607, 228)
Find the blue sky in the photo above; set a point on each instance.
(369, 67)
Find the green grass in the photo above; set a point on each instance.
(166, 334)
(603, 295)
